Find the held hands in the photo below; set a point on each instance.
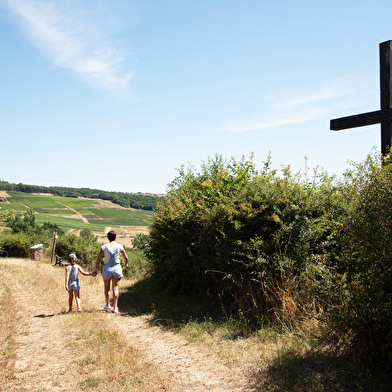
(94, 273)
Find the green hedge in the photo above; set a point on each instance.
(284, 248)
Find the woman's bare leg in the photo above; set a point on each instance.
(106, 283)
(115, 286)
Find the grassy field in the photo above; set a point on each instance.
(76, 213)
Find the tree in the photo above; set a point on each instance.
(23, 222)
(88, 235)
(141, 241)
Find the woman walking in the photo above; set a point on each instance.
(111, 272)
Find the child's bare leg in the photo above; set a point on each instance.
(115, 286)
(70, 299)
(77, 297)
(106, 283)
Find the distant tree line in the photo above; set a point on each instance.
(134, 200)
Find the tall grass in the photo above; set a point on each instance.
(8, 327)
(293, 355)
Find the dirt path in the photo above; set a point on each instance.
(43, 360)
(192, 366)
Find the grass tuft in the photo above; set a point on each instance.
(90, 383)
(8, 326)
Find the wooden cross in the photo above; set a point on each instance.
(383, 116)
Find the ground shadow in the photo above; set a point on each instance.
(319, 369)
(144, 298)
(322, 370)
(44, 315)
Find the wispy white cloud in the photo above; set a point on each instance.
(282, 108)
(71, 37)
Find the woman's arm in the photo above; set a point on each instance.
(125, 257)
(99, 258)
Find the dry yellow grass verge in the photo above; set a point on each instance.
(44, 348)
(105, 360)
(8, 326)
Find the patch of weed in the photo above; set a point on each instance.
(90, 382)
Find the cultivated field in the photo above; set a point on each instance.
(80, 213)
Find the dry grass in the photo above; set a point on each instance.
(4, 194)
(8, 326)
(105, 360)
(44, 348)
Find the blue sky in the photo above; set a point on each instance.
(118, 94)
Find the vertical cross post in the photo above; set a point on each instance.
(386, 94)
(383, 116)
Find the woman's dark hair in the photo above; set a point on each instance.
(112, 235)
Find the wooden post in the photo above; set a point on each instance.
(382, 116)
(54, 245)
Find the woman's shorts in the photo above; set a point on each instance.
(73, 286)
(114, 271)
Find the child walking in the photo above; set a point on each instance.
(72, 281)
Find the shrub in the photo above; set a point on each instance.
(251, 238)
(15, 245)
(85, 250)
(141, 241)
(138, 264)
(365, 303)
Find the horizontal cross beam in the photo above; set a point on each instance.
(360, 120)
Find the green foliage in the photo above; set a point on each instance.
(233, 232)
(15, 245)
(366, 265)
(138, 264)
(111, 216)
(26, 233)
(70, 222)
(88, 235)
(6, 214)
(85, 248)
(23, 223)
(285, 248)
(141, 241)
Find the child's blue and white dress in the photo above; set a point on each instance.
(73, 280)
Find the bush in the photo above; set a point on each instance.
(141, 241)
(283, 248)
(86, 250)
(138, 264)
(365, 307)
(255, 240)
(15, 245)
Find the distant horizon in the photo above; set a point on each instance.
(77, 188)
